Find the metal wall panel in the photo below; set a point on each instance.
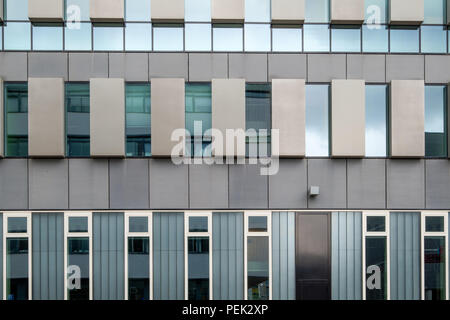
(108, 256)
(283, 255)
(168, 256)
(48, 256)
(405, 255)
(228, 255)
(346, 255)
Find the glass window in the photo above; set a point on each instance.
(375, 39)
(108, 37)
(376, 120)
(317, 123)
(258, 268)
(17, 225)
(435, 280)
(198, 268)
(434, 39)
(198, 224)
(228, 37)
(137, 10)
(257, 11)
(286, 39)
(258, 119)
(435, 121)
(197, 10)
(138, 36)
(78, 255)
(376, 224)
(47, 37)
(168, 37)
(257, 37)
(434, 224)
(404, 39)
(257, 224)
(17, 35)
(345, 39)
(198, 37)
(77, 10)
(78, 224)
(376, 268)
(316, 37)
(17, 272)
(16, 10)
(138, 268)
(138, 224)
(435, 12)
(198, 118)
(78, 119)
(317, 11)
(138, 119)
(376, 11)
(16, 119)
(78, 37)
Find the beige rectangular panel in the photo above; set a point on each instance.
(228, 112)
(107, 10)
(288, 11)
(288, 116)
(348, 118)
(168, 114)
(107, 109)
(46, 129)
(167, 10)
(407, 117)
(46, 10)
(406, 12)
(347, 11)
(2, 151)
(227, 10)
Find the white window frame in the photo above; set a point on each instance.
(424, 234)
(247, 234)
(148, 235)
(88, 235)
(386, 234)
(188, 234)
(28, 235)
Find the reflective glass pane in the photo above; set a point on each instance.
(317, 126)
(47, 37)
(78, 224)
(16, 10)
(197, 10)
(435, 12)
(317, 11)
(257, 224)
(17, 225)
(137, 10)
(77, 10)
(376, 224)
(257, 11)
(257, 37)
(78, 37)
(108, 38)
(316, 38)
(138, 224)
(138, 119)
(375, 39)
(434, 224)
(78, 119)
(198, 37)
(138, 36)
(16, 119)
(138, 269)
(435, 282)
(258, 120)
(434, 39)
(17, 272)
(228, 38)
(376, 120)
(345, 39)
(198, 268)
(435, 121)
(376, 268)
(77, 265)
(287, 39)
(258, 268)
(168, 37)
(198, 224)
(376, 11)
(404, 39)
(17, 35)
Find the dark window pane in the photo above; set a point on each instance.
(17, 269)
(16, 120)
(435, 282)
(138, 224)
(78, 120)
(317, 120)
(434, 224)
(376, 224)
(436, 121)
(17, 225)
(258, 268)
(376, 268)
(138, 120)
(198, 268)
(198, 224)
(78, 224)
(257, 224)
(78, 258)
(376, 120)
(138, 269)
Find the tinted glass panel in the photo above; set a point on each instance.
(258, 268)
(227, 38)
(316, 38)
(17, 269)
(404, 39)
(168, 37)
(257, 37)
(317, 11)
(376, 268)
(434, 39)
(138, 120)
(376, 224)
(138, 36)
(137, 10)
(257, 224)
(47, 37)
(435, 282)
(108, 38)
(287, 39)
(138, 269)
(78, 224)
(16, 9)
(198, 37)
(78, 120)
(16, 120)
(434, 224)
(317, 123)
(198, 224)
(435, 121)
(198, 268)
(197, 10)
(138, 224)
(258, 119)
(78, 37)
(375, 39)
(257, 11)
(17, 36)
(17, 225)
(78, 261)
(77, 10)
(376, 11)
(435, 12)
(345, 39)
(376, 120)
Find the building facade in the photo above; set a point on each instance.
(346, 100)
